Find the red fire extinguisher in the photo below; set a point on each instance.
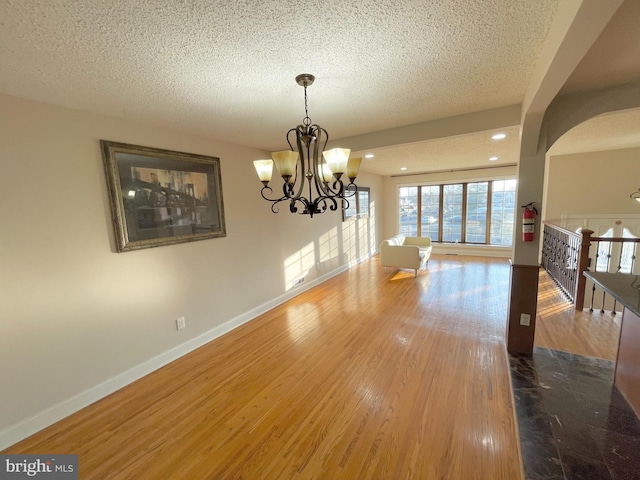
(528, 222)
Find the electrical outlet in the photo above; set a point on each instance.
(298, 281)
(181, 323)
(525, 319)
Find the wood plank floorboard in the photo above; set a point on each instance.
(373, 374)
(560, 327)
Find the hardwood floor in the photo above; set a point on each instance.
(560, 327)
(372, 375)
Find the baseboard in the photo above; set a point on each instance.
(55, 413)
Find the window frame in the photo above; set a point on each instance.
(465, 184)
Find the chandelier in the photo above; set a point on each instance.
(303, 169)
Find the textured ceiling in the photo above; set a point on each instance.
(604, 132)
(226, 69)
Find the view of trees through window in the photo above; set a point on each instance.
(477, 213)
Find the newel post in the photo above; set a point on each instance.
(583, 266)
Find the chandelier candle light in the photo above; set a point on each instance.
(323, 174)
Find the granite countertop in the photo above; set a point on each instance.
(623, 287)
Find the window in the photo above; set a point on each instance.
(430, 212)
(409, 211)
(452, 213)
(615, 257)
(476, 218)
(503, 210)
(627, 255)
(358, 204)
(475, 212)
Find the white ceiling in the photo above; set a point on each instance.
(225, 70)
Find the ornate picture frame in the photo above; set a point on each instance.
(162, 197)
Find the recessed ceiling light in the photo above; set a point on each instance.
(493, 159)
(369, 155)
(499, 136)
(403, 168)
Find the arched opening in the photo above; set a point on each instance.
(590, 172)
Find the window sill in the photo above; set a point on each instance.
(472, 249)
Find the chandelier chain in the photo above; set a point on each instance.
(306, 121)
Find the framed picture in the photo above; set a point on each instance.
(358, 204)
(160, 197)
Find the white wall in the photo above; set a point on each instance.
(591, 183)
(79, 320)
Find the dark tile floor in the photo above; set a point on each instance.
(573, 422)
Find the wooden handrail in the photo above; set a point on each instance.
(615, 239)
(560, 229)
(594, 239)
(566, 257)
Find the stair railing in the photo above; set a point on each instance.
(566, 255)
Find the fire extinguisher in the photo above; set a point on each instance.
(528, 222)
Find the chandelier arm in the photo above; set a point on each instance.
(326, 137)
(285, 198)
(305, 203)
(318, 206)
(274, 201)
(343, 188)
(318, 182)
(333, 204)
(330, 190)
(262, 192)
(289, 141)
(291, 201)
(345, 202)
(317, 152)
(321, 187)
(302, 160)
(334, 189)
(348, 192)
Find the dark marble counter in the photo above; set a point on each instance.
(623, 287)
